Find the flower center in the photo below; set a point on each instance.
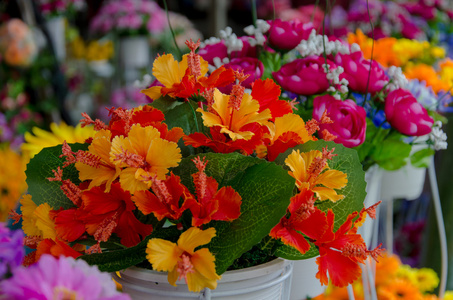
(185, 266)
(62, 293)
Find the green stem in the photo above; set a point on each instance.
(171, 29)
(254, 15)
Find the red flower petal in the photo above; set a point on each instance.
(229, 204)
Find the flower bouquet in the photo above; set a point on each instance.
(200, 182)
(372, 110)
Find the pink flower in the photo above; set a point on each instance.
(209, 52)
(406, 115)
(349, 120)
(357, 70)
(249, 65)
(304, 76)
(287, 35)
(63, 278)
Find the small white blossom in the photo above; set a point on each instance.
(397, 78)
(438, 136)
(232, 42)
(318, 44)
(355, 48)
(212, 40)
(144, 83)
(257, 32)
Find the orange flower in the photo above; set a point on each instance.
(143, 155)
(181, 261)
(311, 172)
(233, 121)
(186, 78)
(399, 289)
(426, 73)
(286, 132)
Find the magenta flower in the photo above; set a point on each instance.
(250, 66)
(63, 278)
(210, 51)
(357, 69)
(11, 250)
(406, 115)
(286, 35)
(349, 120)
(304, 76)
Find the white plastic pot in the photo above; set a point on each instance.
(304, 283)
(56, 29)
(373, 179)
(269, 281)
(135, 52)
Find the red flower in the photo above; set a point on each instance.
(266, 92)
(107, 213)
(211, 203)
(166, 201)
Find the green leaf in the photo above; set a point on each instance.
(422, 158)
(265, 189)
(291, 253)
(272, 62)
(183, 115)
(121, 259)
(391, 154)
(40, 168)
(348, 162)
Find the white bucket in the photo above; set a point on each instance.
(135, 52)
(304, 283)
(269, 281)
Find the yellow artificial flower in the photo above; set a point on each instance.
(426, 279)
(231, 120)
(12, 180)
(56, 136)
(143, 155)
(181, 260)
(36, 220)
(426, 73)
(168, 71)
(106, 171)
(311, 172)
(448, 295)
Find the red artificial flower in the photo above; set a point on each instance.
(166, 201)
(55, 248)
(267, 93)
(210, 203)
(107, 213)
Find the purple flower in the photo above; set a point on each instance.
(11, 249)
(63, 278)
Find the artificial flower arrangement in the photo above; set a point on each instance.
(372, 111)
(56, 8)
(191, 182)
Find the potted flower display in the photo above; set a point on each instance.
(198, 184)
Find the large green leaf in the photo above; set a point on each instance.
(422, 158)
(391, 154)
(265, 190)
(40, 168)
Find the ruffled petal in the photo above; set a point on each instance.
(194, 237)
(162, 254)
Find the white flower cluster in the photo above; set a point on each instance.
(397, 78)
(258, 32)
(333, 75)
(218, 63)
(316, 44)
(212, 40)
(231, 40)
(438, 136)
(144, 83)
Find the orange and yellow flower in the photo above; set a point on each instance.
(143, 155)
(312, 172)
(181, 260)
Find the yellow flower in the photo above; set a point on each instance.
(311, 172)
(231, 120)
(143, 155)
(426, 279)
(168, 71)
(181, 261)
(12, 180)
(36, 220)
(387, 268)
(106, 172)
(448, 295)
(57, 135)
